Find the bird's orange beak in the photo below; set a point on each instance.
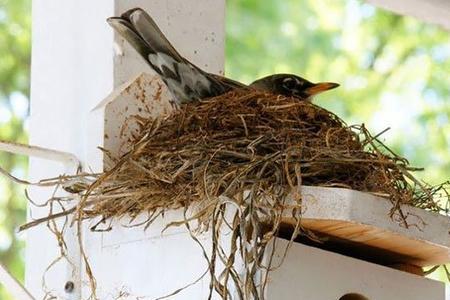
(321, 87)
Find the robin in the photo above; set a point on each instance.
(186, 81)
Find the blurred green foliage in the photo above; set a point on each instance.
(393, 70)
(15, 46)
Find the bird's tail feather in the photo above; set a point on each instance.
(139, 29)
(125, 29)
(185, 80)
(146, 27)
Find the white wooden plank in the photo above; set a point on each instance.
(314, 274)
(13, 287)
(364, 219)
(431, 11)
(35, 151)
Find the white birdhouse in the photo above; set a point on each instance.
(356, 224)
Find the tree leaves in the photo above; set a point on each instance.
(15, 47)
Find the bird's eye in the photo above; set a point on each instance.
(289, 83)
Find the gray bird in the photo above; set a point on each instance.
(186, 81)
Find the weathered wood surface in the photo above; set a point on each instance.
(360, 222)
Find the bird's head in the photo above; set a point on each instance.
(292, 85)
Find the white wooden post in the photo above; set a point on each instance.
(76, 63)
(72, 68)
(431, 11)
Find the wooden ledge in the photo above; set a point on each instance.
(359, 223)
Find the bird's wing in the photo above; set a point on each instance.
(230, 82)
(186, 81)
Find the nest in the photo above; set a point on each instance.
(249, 153)
(255, 141)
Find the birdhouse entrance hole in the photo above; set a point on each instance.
(353, 296)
